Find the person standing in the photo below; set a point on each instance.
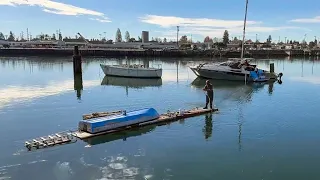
(209, 97)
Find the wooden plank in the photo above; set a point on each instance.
(170, 116)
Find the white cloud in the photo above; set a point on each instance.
(168, 21)
(50, 6)
(307, 20)
(207, 27)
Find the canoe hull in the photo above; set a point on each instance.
(100, 124)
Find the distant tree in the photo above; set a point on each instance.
(164, 40)
(235, 39)
(60, 37)
(316, 41)
(215, 39)
(1, 36)
(139, 39)
(132, 40)
(225, 38)
(203, 46)
(127, 36)
(11, 36)
(118, 36)
(53, 37)
(208, 40)
(312, 44)
(290, 41)
(183, 39)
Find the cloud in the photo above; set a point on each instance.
(100, 19)
(307, 20)
(207, 27)
(168, 21)
(53, 7)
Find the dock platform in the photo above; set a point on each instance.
(167, 117)
(67, 137)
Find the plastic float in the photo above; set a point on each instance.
(97, 124)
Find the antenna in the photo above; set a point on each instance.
(178, 37)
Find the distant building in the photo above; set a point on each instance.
(145, 36)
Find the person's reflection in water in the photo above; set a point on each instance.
(270, 89)
(207, 130)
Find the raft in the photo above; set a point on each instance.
(86, 132)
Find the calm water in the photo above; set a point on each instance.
(265, 132)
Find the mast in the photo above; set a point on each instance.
(244, 30)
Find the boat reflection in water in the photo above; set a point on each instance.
(136, 83)
(120, 135)
(234, 89)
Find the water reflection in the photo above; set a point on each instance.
(207, 129)
(230, 89)
(120, 135)
(134, 83)
(78, 85)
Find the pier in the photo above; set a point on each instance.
(103, 52)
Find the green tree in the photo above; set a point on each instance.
(132, 40)
(127, 36)
(60, 37)
(11, 36)
(225, 37)
(1, 36)
(118, 36)
(269, 39)
(139, 39)
(53, 37)
(183, 39)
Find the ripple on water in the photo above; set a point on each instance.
(117, 167)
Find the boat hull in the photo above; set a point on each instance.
(221, 75)
(131, 72)
(101, 124)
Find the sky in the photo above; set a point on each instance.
(290, 19)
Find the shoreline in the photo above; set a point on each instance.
(98, 52)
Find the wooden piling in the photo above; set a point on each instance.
(272, 67)
(77, 62)
(77, 71)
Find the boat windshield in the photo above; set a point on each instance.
(232, 64)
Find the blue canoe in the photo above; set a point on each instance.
(101, 124)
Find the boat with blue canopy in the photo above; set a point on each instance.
(114, 121)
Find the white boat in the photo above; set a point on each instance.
(137, 71)
(235, 68)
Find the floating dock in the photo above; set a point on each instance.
(51, 140)
(71, 136)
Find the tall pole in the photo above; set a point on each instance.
(27, 34)
(178, 37)
(285, 40)
(244, 29)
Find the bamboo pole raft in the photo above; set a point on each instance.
(71, 136)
